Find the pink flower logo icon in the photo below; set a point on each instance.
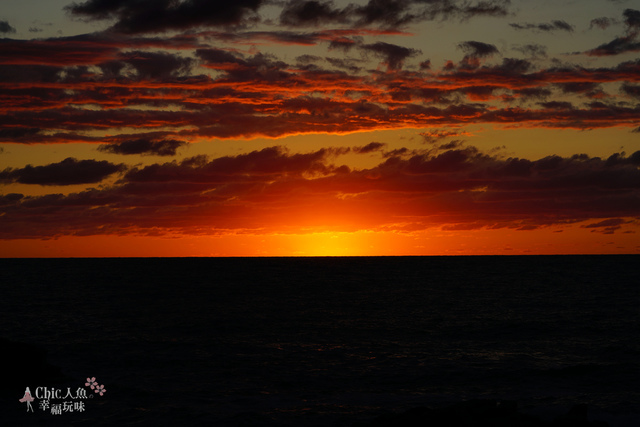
(91, 382)
(100, 389)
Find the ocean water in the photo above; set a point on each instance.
(321, 341)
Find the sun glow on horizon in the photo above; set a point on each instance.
(570, 239)
(330, 244)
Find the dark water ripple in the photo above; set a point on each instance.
(329, 341)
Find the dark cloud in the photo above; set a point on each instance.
(622, 44)
(152, 16)
(602, 23)
(451, 145)
(165, 147)
(68, 172)
(370, 147)
(391, 13)
(344, 43)
(393, 55)
(395, 13)
(532, 50)
(32, 73)
(632, 90)
(534, 92)
(578, 87)
(85, 49)
(281, 37)
(607, 226)
(266, 189)
(308, 59)
(617, 46)
(553, 26)
(156, 65)
(437, 135)
(259, 67)
(266, 162)
(62, 51)
(387, 13)
(632, 19)
(6, 28)
(345, 64)
(218, 56)
(9, 134)
(474, 51)
(305, 13)
(10, 198)
(557, 105)
(478, 49)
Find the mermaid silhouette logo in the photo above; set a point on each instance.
(27, 398)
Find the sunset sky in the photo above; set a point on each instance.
(294, 128)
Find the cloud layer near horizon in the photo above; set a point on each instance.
(273, 190)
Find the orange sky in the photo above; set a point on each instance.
(308, 128)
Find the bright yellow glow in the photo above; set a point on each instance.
(330, 244)
(553, 240)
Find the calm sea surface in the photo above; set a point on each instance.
(323, 341)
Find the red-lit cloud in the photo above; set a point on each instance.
(68, 172)
(271, 189)
(99, 82)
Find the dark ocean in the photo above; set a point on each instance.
(318, 341)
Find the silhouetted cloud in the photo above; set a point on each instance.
(607, 226)
(632, 90)
(632, 19)
(622, 44)
(271, 161)
(370, 147)
(156, 65)
(553, 26)
(64, 51)
(393, 55)
(437, 135)
(144, 16)
(532, 50)
(345, 64)
(475, 50)
(67, 172)
(478, 49)
(602, 23)
(617, 46)
(166, 147)
(312, 13)
(387, 13)
(19, 133)
(6, 28)
(578, 87)
(455, 188)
